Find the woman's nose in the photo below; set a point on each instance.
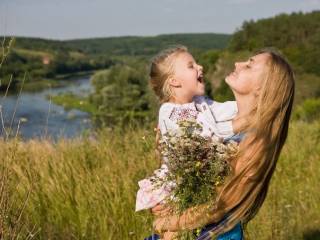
(238, 65)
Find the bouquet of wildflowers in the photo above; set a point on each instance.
(197, 165)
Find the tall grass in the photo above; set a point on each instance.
(85, 188)
(292, 207)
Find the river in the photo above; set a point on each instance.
(35, 116)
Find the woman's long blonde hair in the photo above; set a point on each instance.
(266, 132)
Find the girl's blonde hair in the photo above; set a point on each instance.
(161, 69)
(266, 132)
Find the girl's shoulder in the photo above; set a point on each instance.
(171, 113)
(176, 112)
(165, 109)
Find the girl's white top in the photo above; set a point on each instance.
(216, 121)
(214, 117)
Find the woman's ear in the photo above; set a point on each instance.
(257, 91)
(173, 82)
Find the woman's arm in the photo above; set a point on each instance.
(190, 219)
(199, 216)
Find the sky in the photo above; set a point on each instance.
(73, 19)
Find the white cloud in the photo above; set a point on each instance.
(314, 2)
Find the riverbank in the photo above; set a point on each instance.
(72, 101)
(59, 81)
(35, 114)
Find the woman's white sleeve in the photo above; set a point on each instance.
(218, 116)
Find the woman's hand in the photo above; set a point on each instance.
(165, 219)
(161, 210)
(166, 223)
(191, 218)
(170, 235)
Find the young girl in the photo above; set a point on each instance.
(178, 82)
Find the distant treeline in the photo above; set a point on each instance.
(50, 59)
(296, 34)
(127, 46)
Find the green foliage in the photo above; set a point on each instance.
(284, 30)
(122, 95)
(296, 34)
(208, 60)
(30, 61)
(125, 46)
(223, 93)
(72, 101)
(308, 111)
(34, 86)
(147, 46)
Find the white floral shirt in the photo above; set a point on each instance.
(214, 117)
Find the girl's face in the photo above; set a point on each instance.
(247, 76)
(188, 76)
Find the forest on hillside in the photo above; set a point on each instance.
(53, 60)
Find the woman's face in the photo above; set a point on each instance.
(247, 77)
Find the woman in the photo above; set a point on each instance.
(263, 87)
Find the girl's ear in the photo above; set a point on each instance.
(173, 82)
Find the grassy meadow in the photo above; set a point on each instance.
(85, 188)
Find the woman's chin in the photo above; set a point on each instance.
(228, 80)
(203, 91)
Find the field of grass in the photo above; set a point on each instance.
(85, 188)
